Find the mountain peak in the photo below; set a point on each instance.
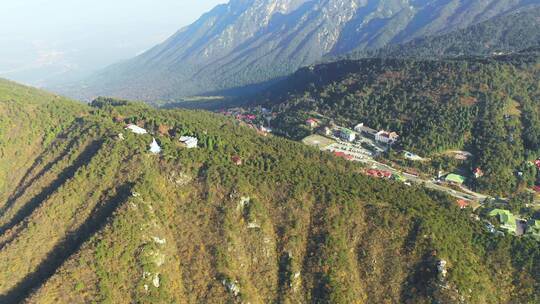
(245, 43)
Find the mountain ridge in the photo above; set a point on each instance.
(512, 32)
(248, 42)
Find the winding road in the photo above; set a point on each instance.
(465, 194)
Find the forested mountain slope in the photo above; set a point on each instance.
(508, 33)
(487, 106)
(245, 43)
(29, 122)
(95, 217)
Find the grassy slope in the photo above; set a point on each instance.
(110, 221)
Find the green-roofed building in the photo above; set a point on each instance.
(455, 179)
(399, 177)
(347, 135)
(533, 229)
(507, 219)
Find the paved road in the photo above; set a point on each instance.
(467, 195)
(362, 157)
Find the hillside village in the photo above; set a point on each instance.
(372, 147)
(369, 146)
(189, 142)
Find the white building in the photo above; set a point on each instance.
(190, 142)
(327, 131)
(154, 147)
(358, 127)
(412, 156)
(362, 129)
(386, 137)
(441, 267)
(136, 129)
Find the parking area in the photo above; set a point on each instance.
(355, 150)
(318, 141)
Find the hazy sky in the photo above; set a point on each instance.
(42, 41)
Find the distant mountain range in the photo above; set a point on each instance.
(244, 44)
(507, 33)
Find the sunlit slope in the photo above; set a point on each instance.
(100, 219)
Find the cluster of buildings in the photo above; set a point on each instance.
(512, 224)
(255, 119)
(381, 136)
(456, 179)
(190, 142)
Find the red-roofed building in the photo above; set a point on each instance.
(237, 160)
(478, 173)
(462, 204)
(312, 123)
(379, 173)
(344, 155)
(536, 189)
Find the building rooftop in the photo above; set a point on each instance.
(189, 141)
(136, 129)
(455, 178)
(507, 219)
(154, 147)
(347, 131)
(462, 204)
(362, 128)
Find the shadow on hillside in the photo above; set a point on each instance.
(238, 97)
(26, 181)
(68, 173)
(64, 249)
(316, 238)
(419, 282)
